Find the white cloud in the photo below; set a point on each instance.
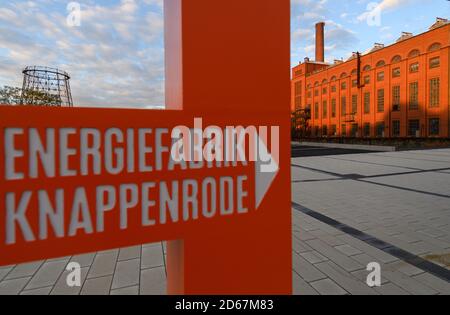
(115, 59)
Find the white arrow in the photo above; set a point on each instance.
(266, 169)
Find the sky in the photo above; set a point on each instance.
(114, 49)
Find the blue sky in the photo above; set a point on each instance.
(116, 56)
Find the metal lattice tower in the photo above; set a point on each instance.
(45, 86)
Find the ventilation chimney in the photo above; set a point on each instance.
(320, 42)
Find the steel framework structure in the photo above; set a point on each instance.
(46, 86)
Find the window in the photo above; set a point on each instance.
(344, 85)
(298, 102)
(324, 91)
(355, 83)
(324, 109)
(380, 100)
(316, 111)
(414, 53)
(316, 93)
(325, 131)
(414, 128)
(298, 88)
(380, 129)
(381, 63)
(434, 127)
(396, 73)
(354, 104)
(367, 68)
(396, 98)
(434, 92)
(434, 47)
(309, 94)
(333, 108)
(333, 130)
(367, 130)
(343, 106)
(414, 95)
(414, 67)
(367, 103)
(344, 130)
(367, 79)
(354, 131)
(435, 62)
(396, 59)
(396, 128)
(333, 88)
(380, 76)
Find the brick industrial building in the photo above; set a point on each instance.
(400, 90)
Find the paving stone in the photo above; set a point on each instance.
(61, 287)
(24, 270)
(348, 250)
(47, 275)
(314, 257)
(153, 282)
(104, 264)
(127, 274)
(346, 280)
(437, 284)
(305, 269)
(13, 287)
(409, 284)
(328, 287)
(391, 289)
(334, 255)
(301, 287)
(130, 253)
(41, 291)
(85, 260)
(300, 246)
(152, 257)
(404, 267)
(134, 290)
(4, 272)
(97, 286)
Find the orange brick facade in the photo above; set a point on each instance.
(403, 90)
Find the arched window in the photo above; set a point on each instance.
(381, 63)
(343, 75)
(367, 68)
(333, 78)
(316, 84)
(396, 59)
(308, 86)
(354, 71)
(325, 81)
(414, 53)
(434, 47)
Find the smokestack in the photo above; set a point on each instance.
(320, 42)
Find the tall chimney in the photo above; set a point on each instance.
(320, 42)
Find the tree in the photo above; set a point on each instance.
(14, 96)
(10, 95)
(300, 124)
(40, 98)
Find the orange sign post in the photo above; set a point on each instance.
(211, 174)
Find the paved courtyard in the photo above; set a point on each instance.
(348, 211)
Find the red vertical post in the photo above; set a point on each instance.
(233, 56)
